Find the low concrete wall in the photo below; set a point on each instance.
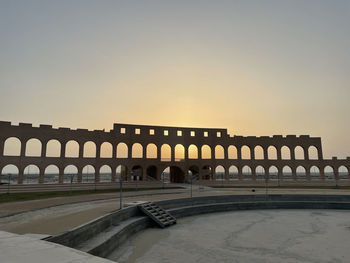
(187, 207)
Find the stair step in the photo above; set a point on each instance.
(157, 214)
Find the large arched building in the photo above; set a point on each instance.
(144, 152)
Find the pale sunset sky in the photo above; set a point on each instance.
(253, 67)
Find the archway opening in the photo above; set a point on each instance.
(51, 174)
(260, 173)
(72, 149)
(207, 172)
(301, 174)
(136, 150)
(287, 174)
(285, 153)
(33, 148)
(273, 173)
(259, 152)
(192, 152)
(272, 153)
(315, 173)
(232, 152)
(89, 150)
(151, 151)
(246, 173)
(121, 173)
(313, 153)
(299, 153)
(233, 173)
(122, 150)
(106, 150)
(206, 152)
(343, 173)
(12, 147)
(9, 174)
(329, 173)
(219, 172)
(165, 153)
(179, 153)
(31, 174)
(136, 173)
(88, 174)
(173, 174)
(219, 152)
(245, 151)
(53, 148)
(105, 173)
(151, 173)
(70, 174)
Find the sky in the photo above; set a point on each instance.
(257, 68)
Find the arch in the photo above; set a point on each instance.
(88, 174)
(51, 174)
(233, 172)
(31, 174)
(165, 175)
(192, 152)
(122, 150)
(245, 151)
(219, 172)
(70, 174)
(285, 153)
(313, 153)
(301, 173)
(315, 173)
(273, 173)
(136, 150)
(136, 173)
(53, 148)
(329, 173)
(174, 174)
(151, 151)
(246, 173)
(105, 173)
(232, 152)
(260, 173)
(259, 152)
(343, 172)
(72, 149)
(9, 174)
(207, 172)
(12, 147)
(89, 150)
(165, 153)
(206, 152)
(151, 173)
(33, 147)
(179, 153)
(121, 173)
(299, 153)
(194, 171)
(272, 153)
(219, 152)
(287, 173)
(106, 150)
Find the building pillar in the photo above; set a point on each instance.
(41, 174)
(266, 153)
(292, 153)
(322, 177)
(97, 175)
(306, 154)
(172, 153)
(61, 174)
(199, 151)
(63, 150)
(114, 151)
(294, 173)
(81, 150)
(319, 152)
(252, 154)
(80, 174)
(43, 149)
(2, 147)
(23, 148)
(279, 154)
(20, 174)
(308, 174)
(159, 152)
(185, 153)
(114, 174)
(240, 175)
(129, 151)
(144, 152)
(254, 174)
(98, 150)
(226, 174)
(239, 153)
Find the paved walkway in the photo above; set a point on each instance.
(23, 249)
(56, 215)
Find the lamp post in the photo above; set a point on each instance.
(8, 184)
(121, 191)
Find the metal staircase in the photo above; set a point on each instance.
(157, 214)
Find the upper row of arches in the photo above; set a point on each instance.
(34, 147)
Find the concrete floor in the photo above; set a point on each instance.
(287, 236)
(56, 215)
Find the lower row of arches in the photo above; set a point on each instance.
(51, 174)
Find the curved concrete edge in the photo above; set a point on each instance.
(19, 248)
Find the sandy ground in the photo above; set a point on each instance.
(246, 236)
(56, 215)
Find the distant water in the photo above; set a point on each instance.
(262, 236)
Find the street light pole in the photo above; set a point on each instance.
(121, 191)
